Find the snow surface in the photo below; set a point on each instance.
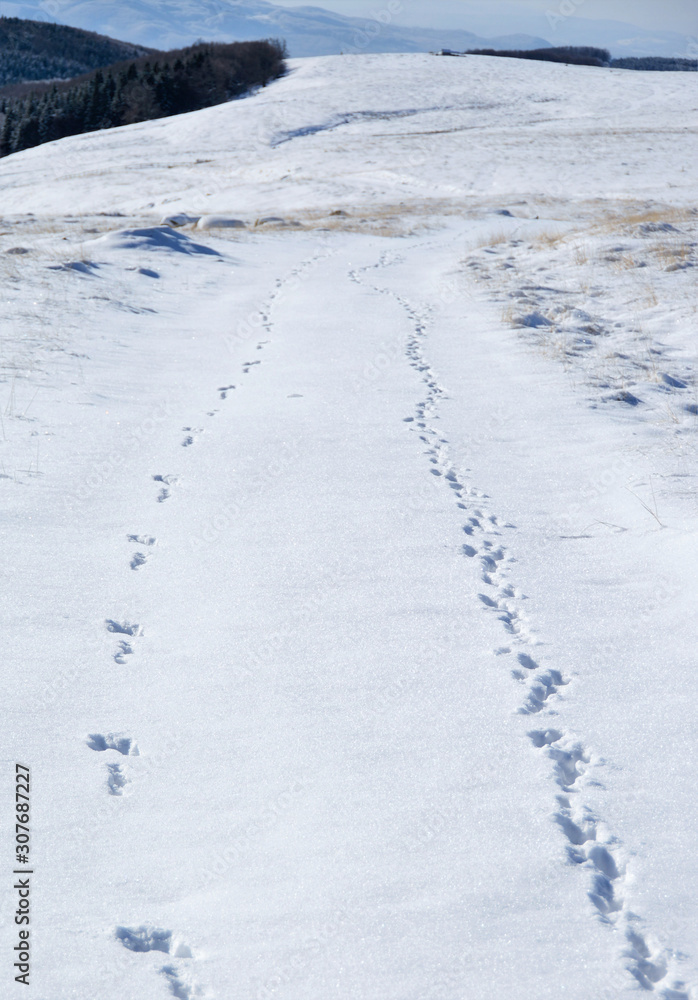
(350, 555)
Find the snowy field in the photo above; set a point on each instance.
(350, 496)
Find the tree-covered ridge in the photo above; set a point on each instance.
(580, 55)
(37, 50)
(584, 55)
(139, 90)
(662, 63)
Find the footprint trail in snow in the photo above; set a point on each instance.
(590, 844)
(147, 939)
(117, 778)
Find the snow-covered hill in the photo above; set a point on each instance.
(463, 128)
(308, 30)
(349, 532)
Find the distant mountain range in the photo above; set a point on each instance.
(313, 31)
(623, 39)
(553, 21)
(308, 31)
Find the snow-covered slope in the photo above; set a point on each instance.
(326, 137)
(349, 540)
(308, 30)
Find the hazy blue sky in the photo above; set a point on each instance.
(504, 16)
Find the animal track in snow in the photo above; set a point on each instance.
(123, 628)
(516, 623)
(112, 741)
(588, 847)
(125, 649)
(147, 938)
(544, 686)
(544, 738)
(487, 601)
(649, 966)
(224, 390)
(165, 491)
(490, 560)
(178, 984)
(191, 434)
(116, 779)
(526, 661)
(513, 620)
(249, 364)
(140, 558)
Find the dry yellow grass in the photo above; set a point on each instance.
(622, 262)
(650, 300)
(616, 220)
(672, 253)
(548, 240)
(509, 315)
(492, 240)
